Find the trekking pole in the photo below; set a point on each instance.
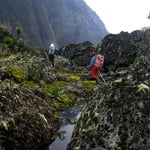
(101, 76)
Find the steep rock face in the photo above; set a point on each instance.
(117, 117)
(79, 54)
(120, 50)
(59, 21)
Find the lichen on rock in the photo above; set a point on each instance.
(117, 116)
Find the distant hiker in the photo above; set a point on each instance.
(63, 50)
(51, 52)
(56, 52)
(96, 62)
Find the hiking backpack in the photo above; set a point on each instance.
(99, 60)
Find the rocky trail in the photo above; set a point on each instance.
(33, 94)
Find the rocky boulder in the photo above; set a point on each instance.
(117, 116)
(120, 50)
(79, 54)
(26, 120)
(32, 93)
(26, 117)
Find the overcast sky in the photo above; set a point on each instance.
(122, 15)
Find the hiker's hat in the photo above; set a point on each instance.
(93, 53)
(52, 45)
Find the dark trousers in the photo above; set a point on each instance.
(51, 58)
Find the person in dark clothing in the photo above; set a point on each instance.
(63, 50)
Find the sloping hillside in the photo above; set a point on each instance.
(59, 21)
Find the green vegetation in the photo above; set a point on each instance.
(3, 47)
(59, 98)
(19, 31)
(70, 76)
(9, 41)
(55, 92)
(21, 43)
(17, 72)
(29, 83)
(88, 84)
(66, 101)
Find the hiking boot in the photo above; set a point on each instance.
(97, 80)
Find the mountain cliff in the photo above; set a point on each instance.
(59, 21)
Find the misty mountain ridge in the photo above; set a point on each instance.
(52, 21)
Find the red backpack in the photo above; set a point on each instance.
(99, 60)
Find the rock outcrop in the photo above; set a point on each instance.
(120, 50)
(117, 116)
(26, 118)
(26, 121)
(32, 93)
(79, 54)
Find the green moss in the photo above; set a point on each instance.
(89, 84)
(17, 72)
(68, 98)
(61, 83)
(59, 99)
(29, 83)
(65, 101)
(74, 77)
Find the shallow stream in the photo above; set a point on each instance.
(70, 114)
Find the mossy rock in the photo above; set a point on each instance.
(89, 84)
(69, 76)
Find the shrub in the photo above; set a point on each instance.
(56, 92)
(3, 47)
(21, 43)
(8, 40)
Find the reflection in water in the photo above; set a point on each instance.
(62, 144)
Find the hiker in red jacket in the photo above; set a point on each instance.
(96, 62)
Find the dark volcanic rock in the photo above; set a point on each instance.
(26, 120)
(26, 117)
(79, 54)
(117, 117)
(120, 50)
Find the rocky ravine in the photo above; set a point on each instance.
(32, 94)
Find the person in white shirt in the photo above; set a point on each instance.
(51, 52)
